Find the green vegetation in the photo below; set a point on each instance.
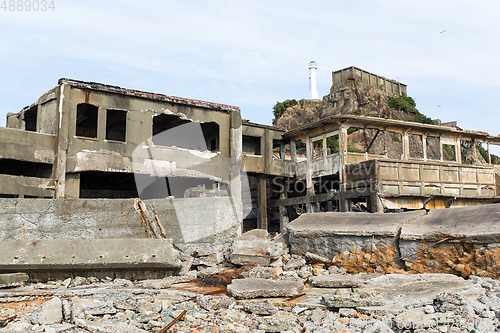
(484, 153)
(408, 105)
(280, 107)
(448, 152)
(357, 112)
(354, 149)
(395, 138)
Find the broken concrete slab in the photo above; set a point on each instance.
(49, 313)
(69, 255)
(481, 221)
(13, 279)
(257, 287)
(252, 234)
(251, 251)
(335, 281)
(328, 234)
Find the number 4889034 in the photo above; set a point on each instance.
(27, 5)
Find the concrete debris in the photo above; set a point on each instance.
(13, 279)
(49, 313)
(253, 248)
(334, 281)
(256, 287)
(265, 298)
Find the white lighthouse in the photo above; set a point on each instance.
(312, 79)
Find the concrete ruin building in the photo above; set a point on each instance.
(94, 141)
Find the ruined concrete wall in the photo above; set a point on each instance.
(190, 223)
(461, 241)
(210, 223)
(69, 219)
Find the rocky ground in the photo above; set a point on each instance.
(258, 287)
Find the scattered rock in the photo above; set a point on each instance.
(49, 313)
(264, 308)
(335, 281)
(253, 288)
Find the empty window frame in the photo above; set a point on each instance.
(30, 116)
(173, 131)
(116, 125)
(211, 134)
(251, 145)
(86, 120)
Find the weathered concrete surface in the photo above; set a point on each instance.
(335, 281)
(253, 248)
(210, 222)
(58, 255)
(327, 233)
(13, 279)
(478, 224)
(256, 287)
(460, 241)
(351, 239)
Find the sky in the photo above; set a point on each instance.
(252, 54)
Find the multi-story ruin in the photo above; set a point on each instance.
(90, 140)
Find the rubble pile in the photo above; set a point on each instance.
(257, 287)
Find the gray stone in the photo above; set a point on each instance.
(379, 327)
(252, 234)
(316, 316)
(415, 320)
(294, 264)
(314, 258)
(335, 281)
(338, 301)
(211, 303)
(264, 308)
(275, 323)
(13, 279)
(253, 288)
(347, 312)
(261, 272)
(49, 313)
(251, 251)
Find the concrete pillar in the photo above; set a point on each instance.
(309, 172)
(293, 151)
(424, 144)
(101, 124)
(262, 203)
(282, 150)
(283, 210)
(343, 161)
(440, 150)
(64, 112)
(235, 167)
(458, 151)
(72, 185)
(406, 145)
(325, 152)
(489, 154)
(376, 204)
(474, 150)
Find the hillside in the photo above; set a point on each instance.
(358, 98)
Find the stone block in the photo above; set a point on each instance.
(335, 281)
(49, 313)
(88, 255)
(256, 287)
(254, 252)
(13, 279)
